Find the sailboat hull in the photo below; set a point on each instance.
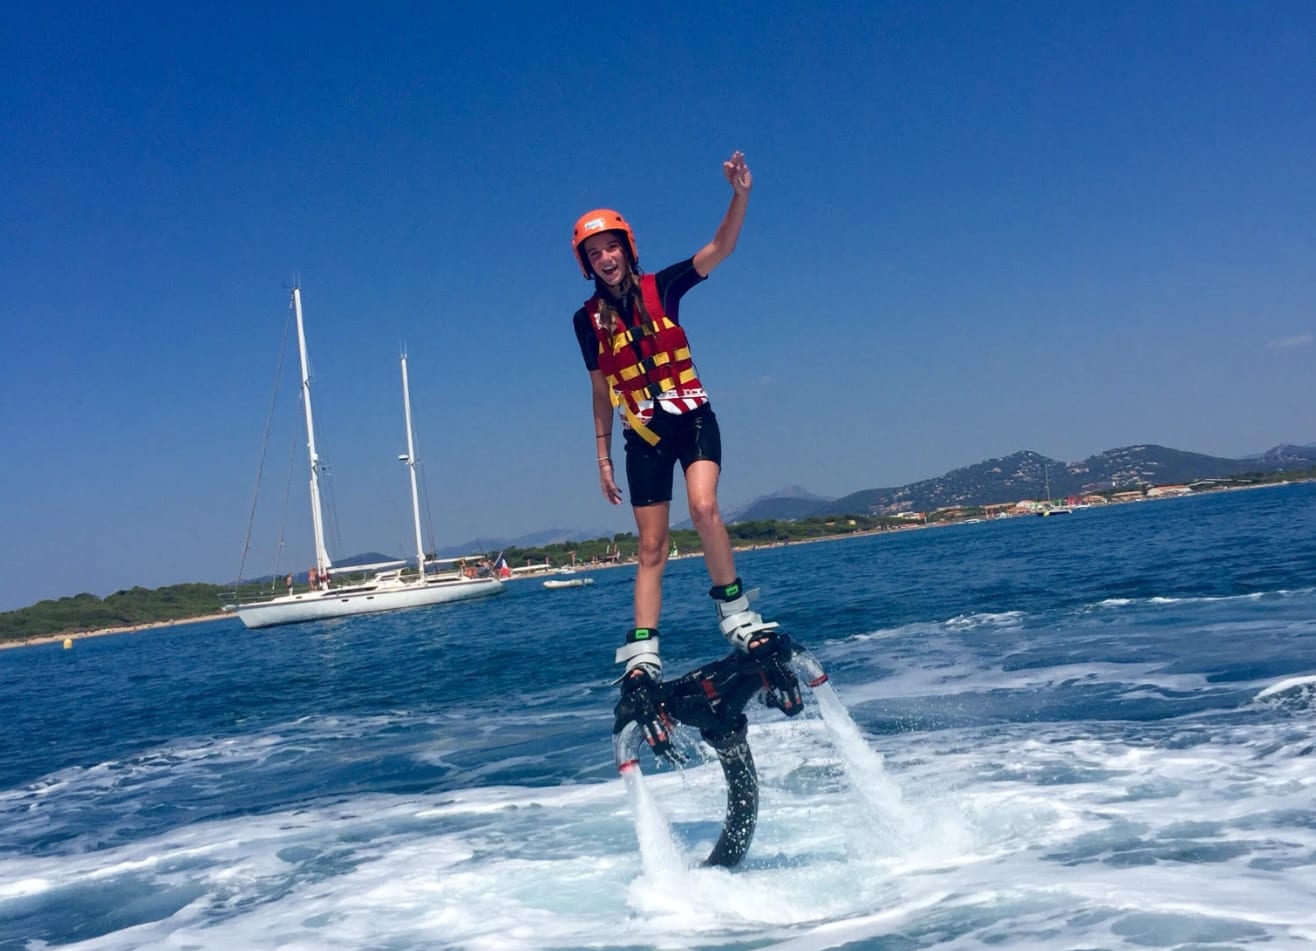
(320, 605)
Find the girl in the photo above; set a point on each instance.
(639, 362)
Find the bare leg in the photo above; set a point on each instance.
(701, 488)
(651, 520)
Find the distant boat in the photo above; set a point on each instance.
(568, 583)
(1048, 508)
(388, 588)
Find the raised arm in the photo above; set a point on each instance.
(724, 241)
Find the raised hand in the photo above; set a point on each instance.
(737, 173)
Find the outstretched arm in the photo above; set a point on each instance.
(724, 241)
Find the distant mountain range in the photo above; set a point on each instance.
(1027, 475)
(1021, 475)
(793, 498)
(547, 536)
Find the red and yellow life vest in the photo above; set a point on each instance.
(645, 360)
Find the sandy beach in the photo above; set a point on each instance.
(101, 632)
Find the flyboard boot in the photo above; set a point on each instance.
(641, 700)
(761, 641)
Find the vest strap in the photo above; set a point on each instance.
(640, 331)
(648, 364)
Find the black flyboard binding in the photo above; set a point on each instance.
(713, 698)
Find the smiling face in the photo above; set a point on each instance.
(606, 254)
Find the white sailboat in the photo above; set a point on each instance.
(388, 589)
(1049, 507)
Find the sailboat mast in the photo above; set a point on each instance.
(322, 563)
(411, 468)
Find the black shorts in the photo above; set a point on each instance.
(686, 438)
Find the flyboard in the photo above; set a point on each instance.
(712, 698)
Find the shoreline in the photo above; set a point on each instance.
(39, 639)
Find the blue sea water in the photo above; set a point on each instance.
(1088, 731)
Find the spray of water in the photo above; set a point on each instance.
(659, 851)
(900, 827)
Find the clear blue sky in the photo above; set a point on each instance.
(975, 228)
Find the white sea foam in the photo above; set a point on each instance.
(994, 619)
(1305, 684)
(859, 837)
(1164, 600)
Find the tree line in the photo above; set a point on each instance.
(624, 545)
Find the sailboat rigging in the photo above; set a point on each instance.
(387, 589)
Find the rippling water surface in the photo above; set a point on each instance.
(1088, 731)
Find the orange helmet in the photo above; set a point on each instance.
(595, 222)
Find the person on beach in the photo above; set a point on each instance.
(639, 362)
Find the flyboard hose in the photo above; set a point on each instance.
(713, 698)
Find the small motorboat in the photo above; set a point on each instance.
(568, 582)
